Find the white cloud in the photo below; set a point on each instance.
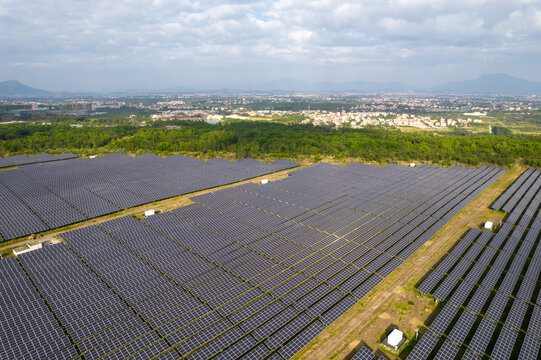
(401, 39)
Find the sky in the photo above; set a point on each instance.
(80, 45)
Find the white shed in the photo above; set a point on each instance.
(412, 165)
(149, 213)
(395, 337)
(488, 225)
(264, 181)
(27, 248)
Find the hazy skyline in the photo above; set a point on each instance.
(103, 45)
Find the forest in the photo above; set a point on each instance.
(265, 140)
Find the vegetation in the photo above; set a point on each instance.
(271, 140)
(501, 131)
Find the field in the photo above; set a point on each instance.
(273, 265)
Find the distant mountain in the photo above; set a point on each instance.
(484, 84)
(490, 84)
(367, 86)
(15, 88)
(327, 86)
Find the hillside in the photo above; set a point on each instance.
(490, 84)
(15, 88)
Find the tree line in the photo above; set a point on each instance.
(271, 140)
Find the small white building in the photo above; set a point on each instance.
(92, 156)
(149, 213)
(395, 337)
(27, 248)
(395, 340)
(488, 225)
(264, 181)
(412, 165)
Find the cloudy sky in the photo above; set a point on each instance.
(81, 45)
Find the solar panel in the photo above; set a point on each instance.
(530, 348)
(363, 354)
(448, 350)
(424, 347)
(504, 345)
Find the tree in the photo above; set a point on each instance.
(501, 131)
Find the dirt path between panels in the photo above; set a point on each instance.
(395, 302)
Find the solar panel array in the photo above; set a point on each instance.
(490, 286)
(54, 194)
(18, 160)
(253, 271)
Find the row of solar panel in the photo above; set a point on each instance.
(491, 285)
(227, 279)
(18, 160)
(51, 195)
